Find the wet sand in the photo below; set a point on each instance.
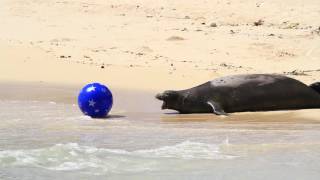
(144, 102)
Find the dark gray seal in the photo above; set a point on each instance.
(240, 93)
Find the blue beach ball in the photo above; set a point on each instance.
(95, 100)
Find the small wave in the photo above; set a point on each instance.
(186, 150)
(71, 156)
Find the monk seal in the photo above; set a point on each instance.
(241, 93)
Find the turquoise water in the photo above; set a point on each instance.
(50, 140)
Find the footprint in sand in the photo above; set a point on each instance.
(144, 50)
(175, 38)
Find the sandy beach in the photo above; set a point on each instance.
(156, 45)
(50, 49)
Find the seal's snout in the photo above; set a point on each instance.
(160, 96)
(168, 97)
(165, 95)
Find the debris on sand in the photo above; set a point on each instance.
(63, 56)
(213, 25)
(292, 26)
(284, 53)
(228, 66)
(288, 25)
(296, 73)
(258, 23)
(316, 31)
(175, 38)
(301, 72)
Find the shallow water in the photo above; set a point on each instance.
(43, 139)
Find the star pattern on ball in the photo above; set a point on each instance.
(91, 88)
(91, 103)
(104, 90)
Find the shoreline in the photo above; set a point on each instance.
(125, 101)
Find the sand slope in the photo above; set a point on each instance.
(155, 45)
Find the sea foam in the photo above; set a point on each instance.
(72, 156)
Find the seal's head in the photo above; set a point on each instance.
(182, 101)
(169, 98)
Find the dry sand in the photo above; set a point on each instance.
(154, 45)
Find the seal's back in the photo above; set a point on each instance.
(261, 92)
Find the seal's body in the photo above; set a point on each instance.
(240, 93)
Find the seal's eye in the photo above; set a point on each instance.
(171, 95)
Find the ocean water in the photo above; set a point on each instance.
(53, 140)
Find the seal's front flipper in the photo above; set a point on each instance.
(216, 108)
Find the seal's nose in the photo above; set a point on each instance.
(159, 96)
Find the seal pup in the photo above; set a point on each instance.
(241, 93)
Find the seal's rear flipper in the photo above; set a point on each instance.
(216, 108)
(315, 86)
